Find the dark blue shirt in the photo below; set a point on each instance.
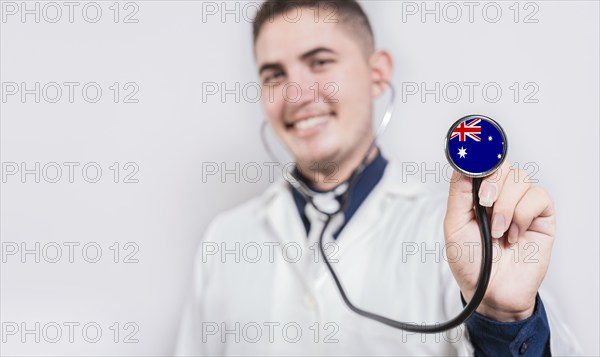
(365, 182)
(529, 337)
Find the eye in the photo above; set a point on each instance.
(273, 76)
(321, 62)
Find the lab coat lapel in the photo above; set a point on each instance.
(282, 216)
(364, 221)
(283, 220)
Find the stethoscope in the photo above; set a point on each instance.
(465, 129)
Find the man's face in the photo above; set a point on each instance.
(317, 87)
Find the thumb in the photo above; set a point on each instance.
(459, 211)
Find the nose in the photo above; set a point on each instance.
(301, 89)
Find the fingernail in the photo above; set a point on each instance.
(498, 224)
(513, 233)
(487, 194)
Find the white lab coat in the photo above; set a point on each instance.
(271, 294)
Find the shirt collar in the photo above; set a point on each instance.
(366, 181)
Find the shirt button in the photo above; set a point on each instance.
(309, 301)
(523, 347)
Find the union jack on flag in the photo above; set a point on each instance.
(464, 131)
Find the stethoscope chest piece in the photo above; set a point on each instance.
(476, 145)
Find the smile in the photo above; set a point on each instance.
(304, 125)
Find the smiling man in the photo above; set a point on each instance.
(260, 286)
(333, 60)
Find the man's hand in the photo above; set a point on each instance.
(523, 225)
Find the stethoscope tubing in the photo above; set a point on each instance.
(482, 283)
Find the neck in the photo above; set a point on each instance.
(328, 175)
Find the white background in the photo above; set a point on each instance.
(177, 47)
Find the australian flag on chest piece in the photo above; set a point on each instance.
(476, 145)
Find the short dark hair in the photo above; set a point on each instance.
(348, 13)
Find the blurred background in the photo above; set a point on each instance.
(127, 126)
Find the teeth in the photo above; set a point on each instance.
(310, 122)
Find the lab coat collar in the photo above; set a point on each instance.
(279, 209)
(365, 182)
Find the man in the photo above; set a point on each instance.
(273, 301)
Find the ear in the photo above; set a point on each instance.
(381, 64)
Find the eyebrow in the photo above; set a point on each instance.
(304, 56)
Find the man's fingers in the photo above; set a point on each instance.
(492, 185)
(460, 202)
(460, 198)
(504, 207)
(535, 210)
